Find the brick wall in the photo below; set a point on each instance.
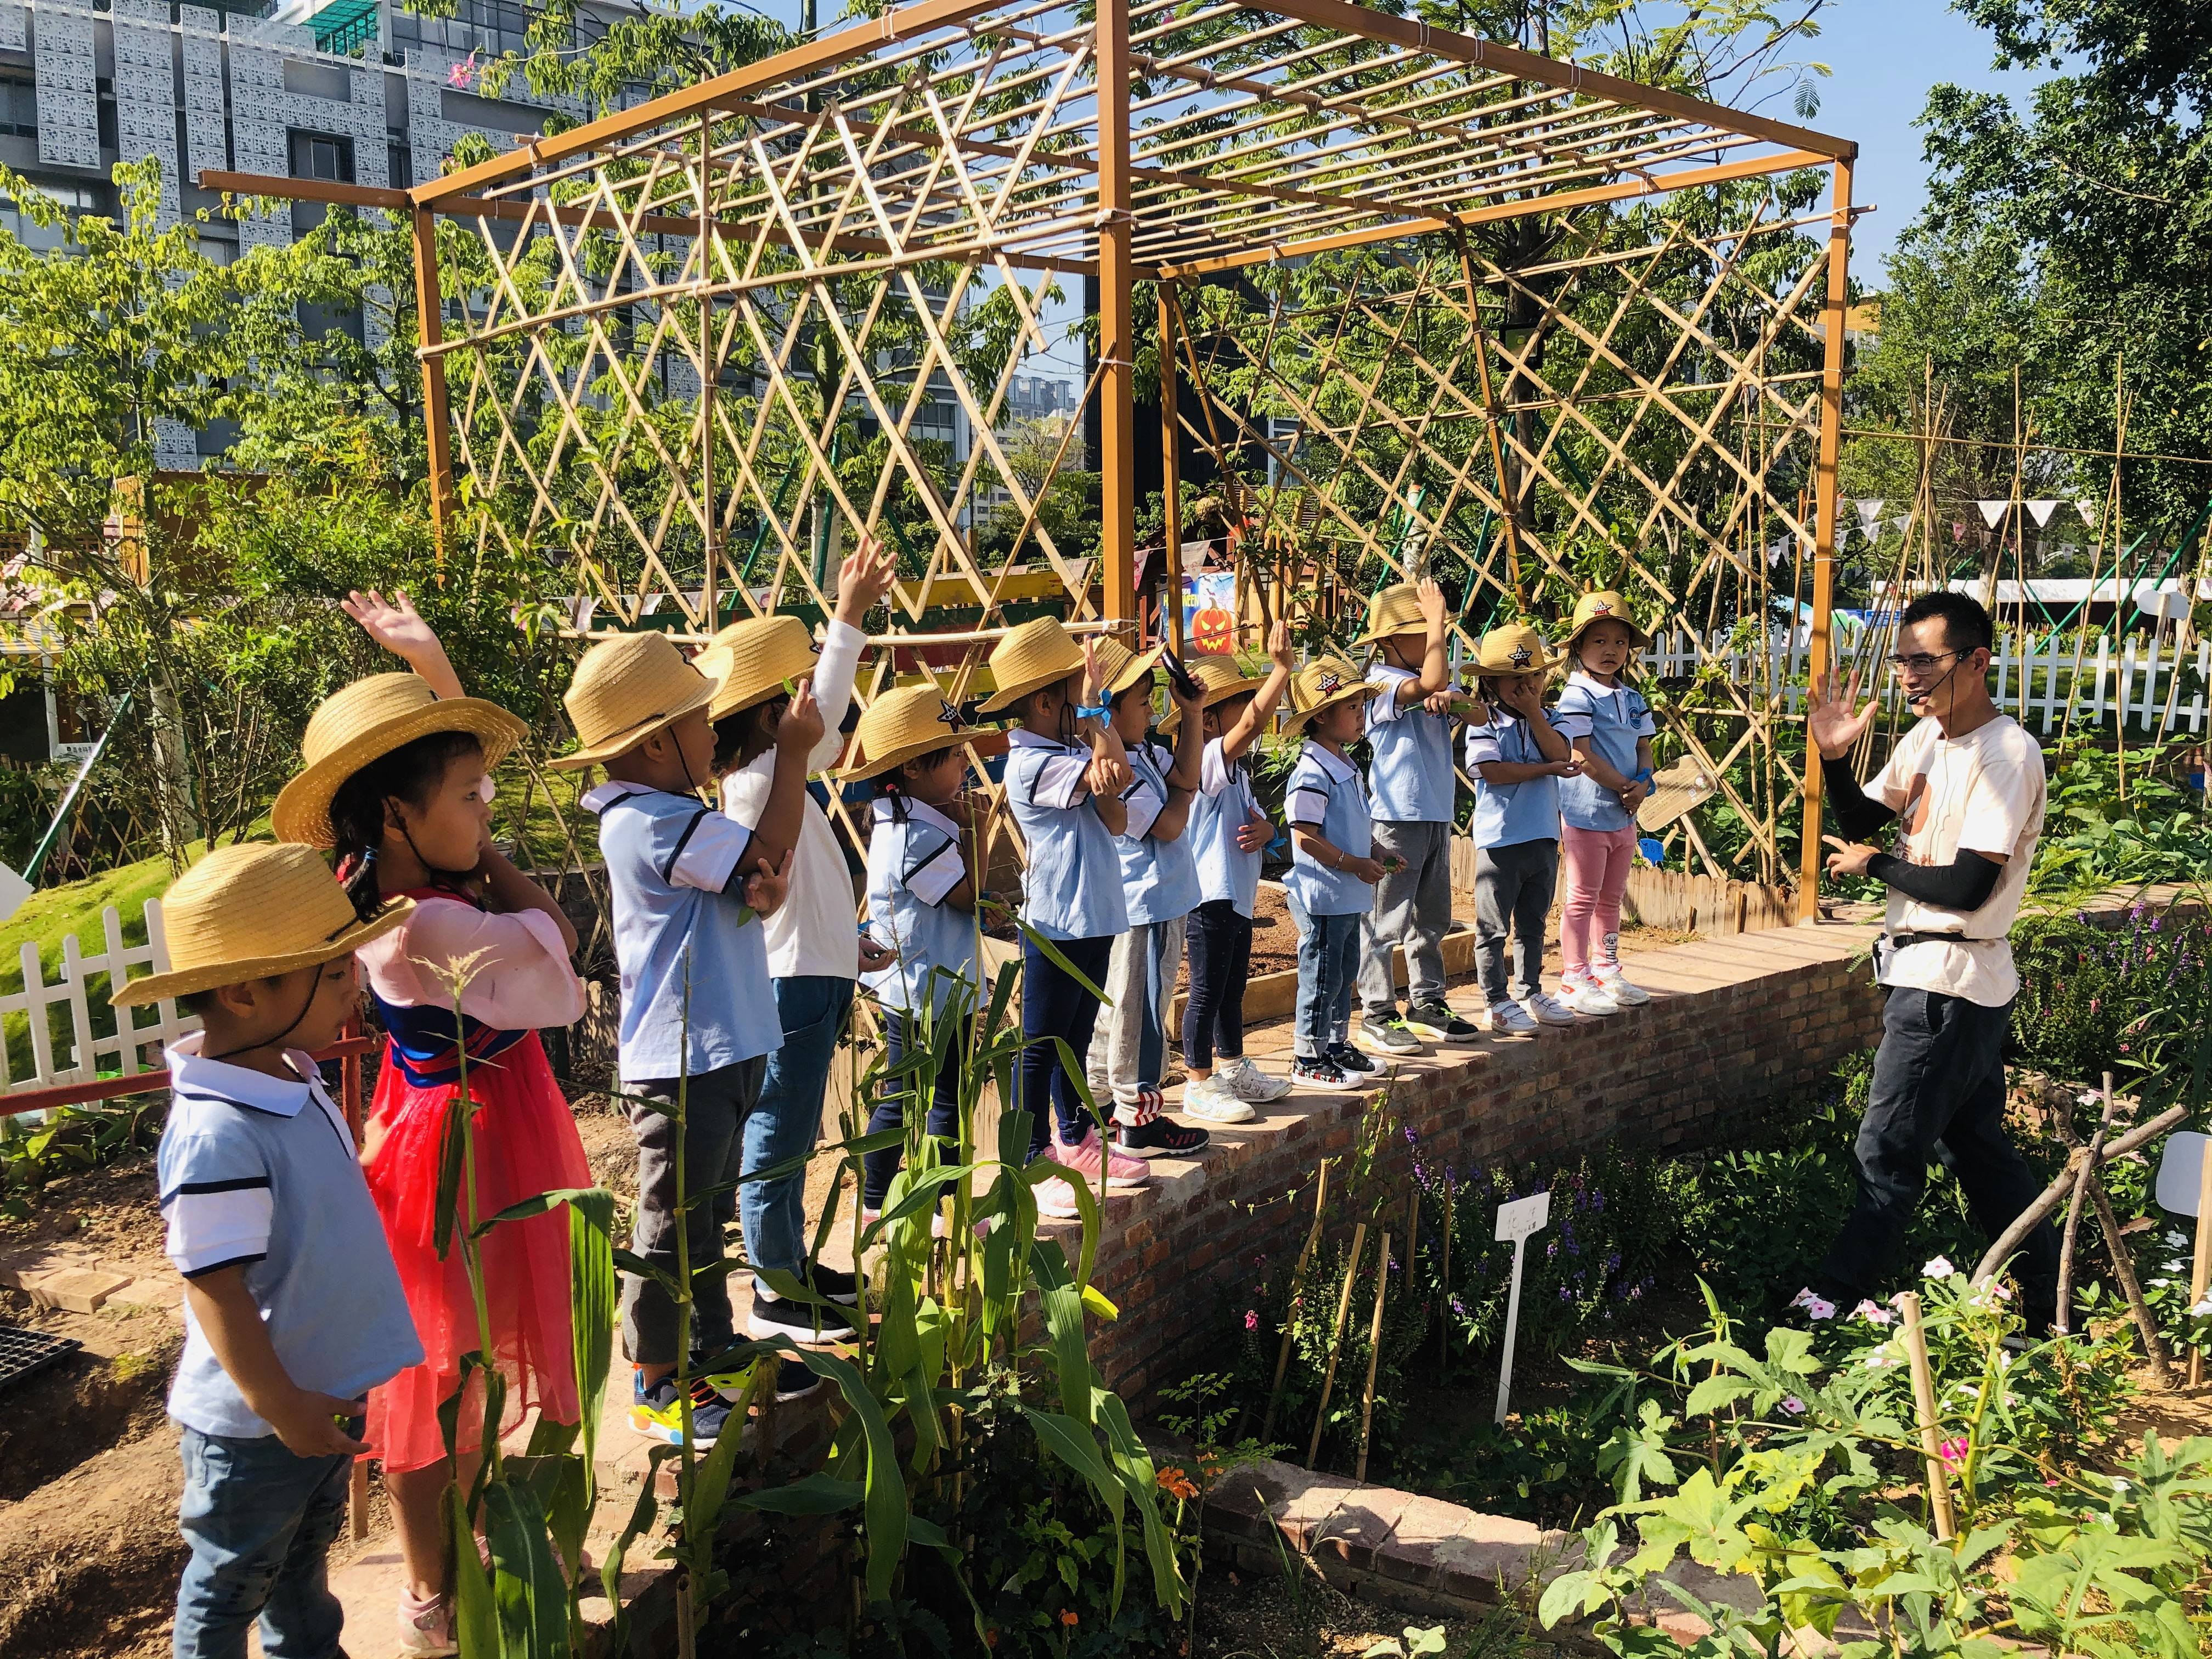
(1733, 1022)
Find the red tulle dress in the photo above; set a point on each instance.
(525, 1143)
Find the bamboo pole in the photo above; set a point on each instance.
(1116, 410)
(1923, 1405)
(430, 320)
(1336, 1340)
(1290, 1312)
(1374, 1355)
(1171, 530)
(1824, 531)
(2065, 1320)
(2200, 1266)
(1443, 1288)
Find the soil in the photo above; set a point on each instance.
(1241, 1617)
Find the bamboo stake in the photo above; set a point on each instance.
(2074, 1210)
(2200, 1266)
(1374, 1354)
(1923, 1402)
(1298, 1285)
(1335, 1340)
(1443, 1289)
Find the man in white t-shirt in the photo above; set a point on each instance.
(1965, 787)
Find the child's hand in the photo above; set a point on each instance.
(1432, 604)
(303, 1422)
(1191, 708)
(1279, 645)
(875, 958)
(1570, 768)
(863, 579)
(1369, 871)
(1094, 692)
(1255, 834)
(1634, 793)
(801, 728)
(1108, 775)
(394, 624)
(1438, 702)
(1523, 696)
(766, 890)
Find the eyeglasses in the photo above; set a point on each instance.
(1921, 662)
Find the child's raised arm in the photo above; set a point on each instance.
(777, 832)
(1436, 669)
(1240, 737)
(399, 629)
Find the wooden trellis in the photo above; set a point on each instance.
(662, 325)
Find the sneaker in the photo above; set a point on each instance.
(1618, 986)
(1547, 1011)
(835, 1284)
(657, 1413)
(1216, 1100)
(1587, 996)
(1389, 1037)
(1439, 1024)
(1248, 1082)
(1083, 1158)
(426, 1626)
(1055, 1198)
(1511, 1019)
(794, 1382)
(1317, 1074)
(1353, 1064)
(1161, 1138)
(810, 1323)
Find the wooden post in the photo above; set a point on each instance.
(1117, 372)
(1374, 1354)
(1290, 1312)
(1824, 527)
(1443, 1288)
(430, 327)
(1923, 1403)
(2200, 1266)
(2065, 1322)
(1171, 533)
(710, 615)
(2124, 1269)
(1336, 1340)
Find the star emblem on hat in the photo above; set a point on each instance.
(1521, 657)
(1329, 684)
(1601, 607)
(948, 713)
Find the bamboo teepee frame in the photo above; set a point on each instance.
(657, 321)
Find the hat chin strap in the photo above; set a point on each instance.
(314, 985)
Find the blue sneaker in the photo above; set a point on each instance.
(657, 1413)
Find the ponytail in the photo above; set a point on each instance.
(358, 809)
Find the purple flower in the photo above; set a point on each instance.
(1459, 1307)
(1251, 1319)
(1794, 1406)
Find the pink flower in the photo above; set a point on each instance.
(1794, 1406)
(1954, 1450)
(462, 77)
(1251, 1320)
(1874, 1313)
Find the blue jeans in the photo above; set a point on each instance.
(787, 1120)
(1055, 1006)
(1329, 967)
(260, 1521)
(900, 1032)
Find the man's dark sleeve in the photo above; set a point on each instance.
(1965, 884)
(1857, 814)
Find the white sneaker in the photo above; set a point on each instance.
(1510, 1019)
(1248, 1082)
(1546, 1010)
(426, 1626)
(1617, 985)
(1214, 1100)
(1587, 996)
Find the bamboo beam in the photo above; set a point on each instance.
(1824, 521)
(1116, 323)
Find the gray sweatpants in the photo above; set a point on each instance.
(1412, 908)
(1129, 1045)
(1513, 887)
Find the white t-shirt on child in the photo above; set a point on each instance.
(1982, 793)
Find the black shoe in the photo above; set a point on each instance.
(1350, 1062)
(775, 1315)
(1161, 1138)
(835, 1284)
(1321, 1074)
(1389, 1036)
(1438, 1023)
(794, 1382)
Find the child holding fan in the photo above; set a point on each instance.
(398, 780)
(1611, 728)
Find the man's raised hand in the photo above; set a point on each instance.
(1828, 717)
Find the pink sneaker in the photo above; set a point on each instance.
(1121, 1172)
(1056, 1198)
(426, 1626)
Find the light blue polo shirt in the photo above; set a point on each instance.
(1072, 888)
(1613, 718)
(1507, 814)
(261, 1173)
(1326, 790)
(1159, 878)
(1224, 804)
(912, 865)
(1409, 779)
(669, 858)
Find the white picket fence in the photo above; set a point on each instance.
(2034, 676)
(100, 1041)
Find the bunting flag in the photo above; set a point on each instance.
(1869, 510)
(2041, 512)
(2088, 509)
(1993, 512)
(1958, 530)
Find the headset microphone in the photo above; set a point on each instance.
(1916, 698)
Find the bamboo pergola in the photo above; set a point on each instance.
(660, 326)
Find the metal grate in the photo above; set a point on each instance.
(23, 1352)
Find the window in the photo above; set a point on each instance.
(19, 107)
(318, 156)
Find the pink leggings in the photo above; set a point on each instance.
(1597, 875)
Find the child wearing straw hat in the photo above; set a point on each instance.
(1410, 784)
(1066, 776)
(689, 884)
(1228, 834)
(922, 889)
(814, 953)
(1610, 728)
(1159, 879)
(1516, 758)
(293, 1310)
(397, 780)
(1331, 880)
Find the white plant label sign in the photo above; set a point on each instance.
(2178, 1172)
(13, 889)
(1516, 1222)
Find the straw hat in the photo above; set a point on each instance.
(1516, 648)
(1219, 678)
(752, 660)
(1323, 681)
(626, 688)
(905, 722)
(1119, 668)
(1028, 659)
(1395, 609)
(367, 721)
(1604, 607)
(253, 912)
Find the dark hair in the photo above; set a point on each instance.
(1965, 624)
(200, 1004)
(887, 788)
(736, 728)
(409, 774)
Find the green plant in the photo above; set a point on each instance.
(1415, 1641)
